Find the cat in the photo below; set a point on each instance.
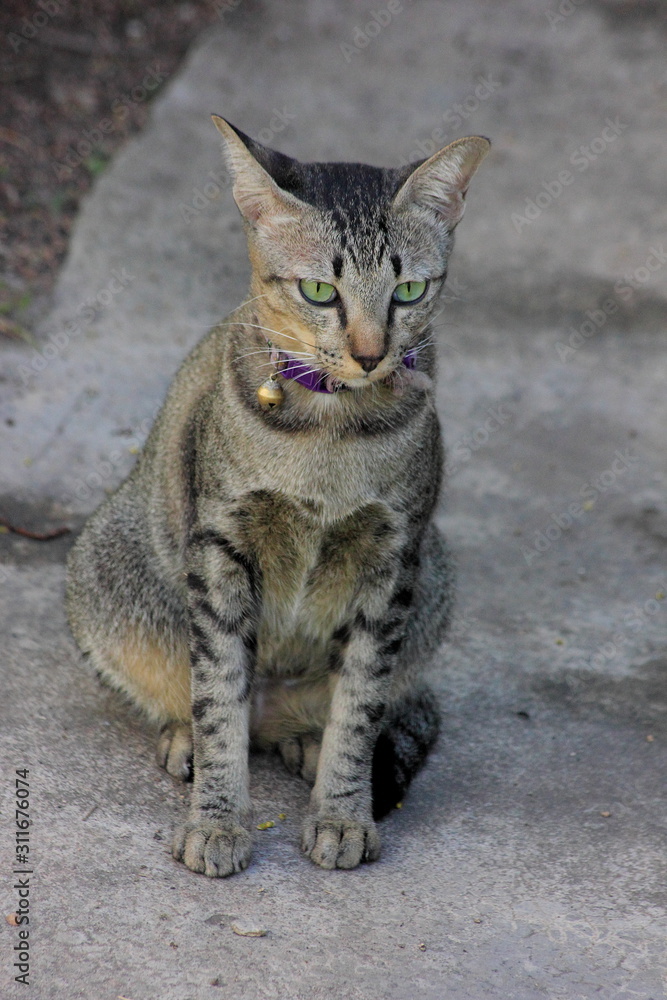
(270, 573)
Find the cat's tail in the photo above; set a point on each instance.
(409, 731)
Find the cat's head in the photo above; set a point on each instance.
(348, 260)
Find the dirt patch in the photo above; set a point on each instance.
(78, 81)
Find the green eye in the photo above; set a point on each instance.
(410, 291)
(319, 292)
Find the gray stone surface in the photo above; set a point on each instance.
(529, 858)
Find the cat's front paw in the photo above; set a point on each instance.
(212, 849)
(339, 843)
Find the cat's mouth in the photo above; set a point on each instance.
(404, 376)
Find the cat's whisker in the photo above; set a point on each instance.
(303, 359)
(247, 302)
(313, 371)
(257, 326)
(267, 350)
(271, 364)
(428, 338)
(420, 348)
(249, 354)
(262, 295)
(447, 327)
(443, 346)
(449, 322)
(278, 333)
(308, 354)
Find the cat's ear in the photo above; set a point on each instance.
(440, 183)
(255, 192)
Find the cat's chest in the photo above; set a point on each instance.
(337, 466)
(311, 569)
(339, 478)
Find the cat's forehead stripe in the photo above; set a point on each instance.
(363, 239)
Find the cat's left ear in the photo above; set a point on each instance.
(440, 183)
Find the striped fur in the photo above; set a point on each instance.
(275, 578)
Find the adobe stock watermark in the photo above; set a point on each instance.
(462, 451)
(363, 35)
(23, 868)
(32, 24)
(581, 159)
(565, 9)
(637, 618)
(626, 286)
(106, 471)
(87, 312)
(595, 939)
(120, 109)
(223, 7)
(454, 291)
(625, 289)
(589, 494)
(453, 119)
(220, 179)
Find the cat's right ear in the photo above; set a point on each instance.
(255, 192)
(440, 183)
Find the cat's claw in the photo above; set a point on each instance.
(212, 849)
(339, 843)
(174, 750)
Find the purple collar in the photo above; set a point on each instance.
(319, 381)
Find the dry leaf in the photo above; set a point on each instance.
(10, 328)
(248, 930)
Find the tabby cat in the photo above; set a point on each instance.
(270, 574)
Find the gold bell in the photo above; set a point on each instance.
(270, 394)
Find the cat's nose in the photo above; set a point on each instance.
(368, 361)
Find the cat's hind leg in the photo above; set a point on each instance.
(174, 750)
(301, 753)
(412, 718)
(290, 717)
(128, 616)
(409, 730)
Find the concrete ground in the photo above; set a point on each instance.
(529, 858)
